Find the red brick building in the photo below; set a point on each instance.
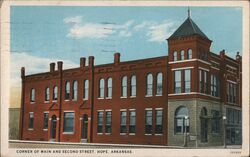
(149, 101)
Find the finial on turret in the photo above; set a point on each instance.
(189, 12)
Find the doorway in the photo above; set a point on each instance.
(84, 127)
(204, 125)
(53, 128)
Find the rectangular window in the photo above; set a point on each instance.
(133, 85)
(32, 95)
(159, 84)
(158, 127)
(148, 122)
(180, 124)
(231, 92)
(31, 120)
(215, 121)
(203, 81)
(100, 121)
(187, 81)
(214, 85)
(124, 86)
(86, 90)
(123, 117)
(132, 121)
(177, 81)
(45, 120)
(108, 122)
(68, 125)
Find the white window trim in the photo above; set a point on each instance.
(100, 110)
(123, 109)
(203, 68)
(100, 98)
(158, 95)
(85, 99)
(183, 68)
(108, 98)
(133, 96)
(33, 102)
(108, 110)
(46, 102)
(54, 100)
(132, 134)
(66, 99)
(99, 133)
(45, 129)
(158, 108)
(191, 93)
(149, 95)
(214, 62)
(123, 134)
(158, 134)
(232, 82)
(231, 67)
(107, 133)
(132, 109)
(148, 134)
(31, 129)
(68, 133)
(181, 61)
(215, 68)
(123, 97)
(148, 109)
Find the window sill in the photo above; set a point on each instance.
(158, 95)
(68, 133)
(148, 134)
(66, 100)
(132, 134)
(99, 133)
(45, 129)
(32, 102)
(123, 97)
(100, 98)
(107, 133)
(74, 99)
(31, 129)
(132, 96)
(148, 95)
(85, 99)
(158, 134)
(54, 100)
(123, 133)
(46, 102)
(108, 98)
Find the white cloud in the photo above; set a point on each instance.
(32, 64)
(81, 29)
(156, 32)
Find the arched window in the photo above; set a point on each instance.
(159, 84)
(124, 86)
(101, 88)
(74, 90)
(149, 84)
(109, 88)
(175, 56)
(181, 120)
(67, 90)
(189, 53)
(182, 55)
(32, 95)
(133, 85)
(204, 125)
(55, 93)
(86, 90)
(47, 94)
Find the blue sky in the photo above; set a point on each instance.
(43, 34)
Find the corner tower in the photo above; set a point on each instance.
(188, 36)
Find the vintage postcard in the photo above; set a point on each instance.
(124, 78)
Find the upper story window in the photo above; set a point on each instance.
(123, 120)
(187, 80)
(124, 86)
(175, 56)
(214, 85)
(231, 92)
(148, 122)
(108, 125)
(158, 126)
(68, 125)
(203, 79)
(99, 121)
(101, 88)
(31, 120)
(181, 120)
(132, 121)
(86, 90)
(55, 93)
(159, 84)
(47, 94)
(182, 54)
(109, 88)
(67, 90)
(177, 81)
(32, 95)
(133, 85)
(149, 84)
(75, 90)
(189, 53)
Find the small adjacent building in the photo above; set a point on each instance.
(190, 97)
